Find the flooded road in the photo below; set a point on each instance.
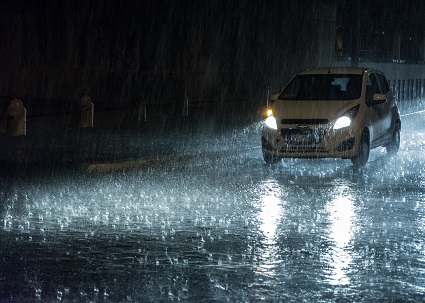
(219, 225)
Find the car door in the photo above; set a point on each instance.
(385, 108)
(375, 112)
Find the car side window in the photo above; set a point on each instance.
(383, 84)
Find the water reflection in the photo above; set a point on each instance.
(269, 216)
(342, 219)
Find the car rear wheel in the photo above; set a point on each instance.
(364, 148)
(394, 145)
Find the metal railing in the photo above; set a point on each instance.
(409, 93)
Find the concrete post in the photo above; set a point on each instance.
(141, 112)
(16, 118)
(86, 112)
(186, 106)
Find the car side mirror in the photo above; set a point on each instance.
(274, 97)
(378, 99)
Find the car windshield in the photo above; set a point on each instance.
(323, 87)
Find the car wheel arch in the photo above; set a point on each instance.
(366, 132)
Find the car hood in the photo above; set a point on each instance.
(289, 109)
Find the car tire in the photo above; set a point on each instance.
(269, 159)
(394, 145)
(364, 149)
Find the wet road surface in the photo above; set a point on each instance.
(216, 224)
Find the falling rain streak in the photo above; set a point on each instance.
(167, 198)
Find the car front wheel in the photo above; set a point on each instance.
(363, 156)
(268, 158)
(394, 145)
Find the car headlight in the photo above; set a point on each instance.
(346, 119)
(342, 122)
(271, 122)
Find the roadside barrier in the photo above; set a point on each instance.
(409, 93)
(16, 118)
(86, 112)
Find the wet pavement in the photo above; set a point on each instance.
(106, 149)
(198, 217)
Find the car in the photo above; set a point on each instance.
(340, 112)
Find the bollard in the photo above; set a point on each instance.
(16, 118)
(141, 112)
(86, 112)
(185, 106)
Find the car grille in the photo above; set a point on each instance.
(304, 137)
(303, 149)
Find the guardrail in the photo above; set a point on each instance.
(409, 93)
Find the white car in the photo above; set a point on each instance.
(332, 113)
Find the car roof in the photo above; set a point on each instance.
(339, 70)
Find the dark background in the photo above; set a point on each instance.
(228, 54)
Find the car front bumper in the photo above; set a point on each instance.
(312, 143)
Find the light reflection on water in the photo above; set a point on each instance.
(270, 215)
(343, 224)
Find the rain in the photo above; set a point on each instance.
(138, 174)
